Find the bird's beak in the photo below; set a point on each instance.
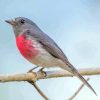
(11, 22)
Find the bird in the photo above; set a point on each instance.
(40, 49)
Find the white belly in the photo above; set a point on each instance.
(44, 59)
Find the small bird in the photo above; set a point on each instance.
(39, 49)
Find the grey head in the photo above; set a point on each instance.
(20, 24)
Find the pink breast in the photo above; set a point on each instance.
(26, 47)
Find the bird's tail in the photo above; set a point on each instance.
(71, 69)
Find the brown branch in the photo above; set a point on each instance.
(79, 89)
(34, 76)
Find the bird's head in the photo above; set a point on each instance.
(20, 24)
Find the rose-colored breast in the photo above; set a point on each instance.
(26, 47)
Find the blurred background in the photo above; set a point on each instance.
(73, 24)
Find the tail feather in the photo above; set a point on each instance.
(84, 81)
(71, 69)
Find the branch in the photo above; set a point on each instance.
(38, 89)
(34, 76)
(79, 89)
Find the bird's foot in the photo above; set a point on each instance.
(43, 72)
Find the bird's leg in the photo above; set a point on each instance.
(42, 71)
(33, 69)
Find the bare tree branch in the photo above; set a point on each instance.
(34, 76)
(79, 89)
(39, 91)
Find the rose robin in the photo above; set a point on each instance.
(38, 48)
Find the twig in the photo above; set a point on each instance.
(38, 89)
(78, 90)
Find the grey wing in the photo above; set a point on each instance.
(48, 44)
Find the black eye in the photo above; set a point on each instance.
(22, 21)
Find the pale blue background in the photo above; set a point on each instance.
(73, 24)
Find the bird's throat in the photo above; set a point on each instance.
(26, 47)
